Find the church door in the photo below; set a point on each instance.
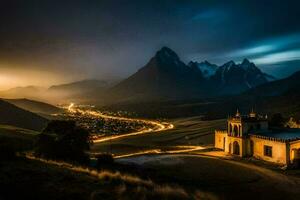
(236, 148)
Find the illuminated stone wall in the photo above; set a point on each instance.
(279, 150)
(219, 139)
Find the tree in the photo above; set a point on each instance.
(63, 140)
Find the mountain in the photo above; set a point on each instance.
(281, 96)
(232, 78)
(165, 76)
(15, 116)
(35, 106)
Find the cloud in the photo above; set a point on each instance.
(271, 50)
(273, 58)
(253, 51)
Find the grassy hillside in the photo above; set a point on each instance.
(32, 179)
(18, 138)
(35, 106)
(219, 178)
(15, 116)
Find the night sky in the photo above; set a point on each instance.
(46, 42)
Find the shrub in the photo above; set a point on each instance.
(104, 160)
(63, 140)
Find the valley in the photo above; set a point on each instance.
(144, 136)
(150, 100)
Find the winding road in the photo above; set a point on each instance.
(158, 126)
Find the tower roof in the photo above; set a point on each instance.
(252, 113)
(238, 114)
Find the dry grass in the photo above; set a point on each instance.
(123, 186)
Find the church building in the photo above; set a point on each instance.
(249, 135)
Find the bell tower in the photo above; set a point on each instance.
(235, 125)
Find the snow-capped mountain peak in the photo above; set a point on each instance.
(206, 68)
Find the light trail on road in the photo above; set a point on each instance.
(184, 149)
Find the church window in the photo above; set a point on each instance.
(268, 151)
(235, 131)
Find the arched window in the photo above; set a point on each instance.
(236, 131)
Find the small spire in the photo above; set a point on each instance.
(237, 113)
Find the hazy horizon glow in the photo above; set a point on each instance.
(55, 41)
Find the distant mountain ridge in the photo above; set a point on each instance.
(22, 92)
(164, 77)
(77, 91)
(79, 85)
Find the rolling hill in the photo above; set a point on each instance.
(35, 106)
(15, 116)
